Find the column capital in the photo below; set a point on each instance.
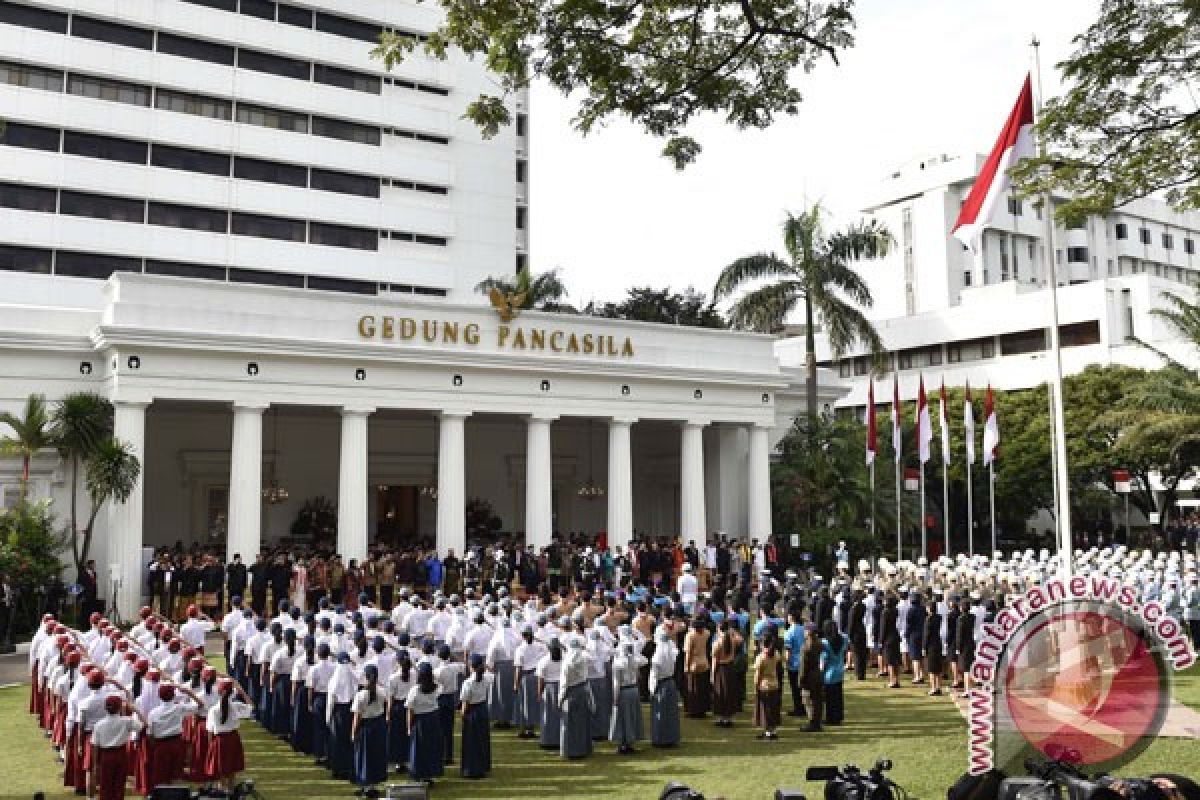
(622, 421)
(357, 410)
(447, 413)
(250, 406)
(135, 405)
(695, 423)
(541, 416)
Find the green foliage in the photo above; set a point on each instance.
(544, 291)
(31, 432)
(29, 546)
(657, 63)
(689, 308)
(1127, 127)
(82, 422)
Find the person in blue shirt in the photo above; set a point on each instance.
(833, 670)
(764, 620)
(793, 642)
(433, 567)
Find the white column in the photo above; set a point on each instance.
(125, 520)
(245, 483)
(731, 480)
(452, 482)
(352, 484)
(539, 481)
(692, 525)
(759, 484)
(620, 483)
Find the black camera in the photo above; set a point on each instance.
(1056, 780)
(851, 783)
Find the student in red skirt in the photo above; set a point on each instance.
(205, 697)
(164, 751)
(225, 755)
(110, 747)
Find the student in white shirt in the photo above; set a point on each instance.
(525, 661)
(279, 680)
(226, 758)
(502, 707)
(343, 685)
(476, 736)
(109, 749)
(425, 728)
(403, 679)
(302, 724)
(549, 672)
(197, 626)
(448, 675)
(368, 730)
(165, 750)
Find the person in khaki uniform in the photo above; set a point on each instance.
(387, 581)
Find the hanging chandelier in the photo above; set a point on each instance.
(274, 494)
(429, 490)
(590, 490)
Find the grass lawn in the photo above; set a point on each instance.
(925, 739)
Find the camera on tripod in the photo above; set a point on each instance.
(851, 783)
(1061, 780)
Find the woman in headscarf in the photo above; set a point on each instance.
(476, 738)
(499, 660)
(600, 680)
(549, 672)
(575, 701)
(426, 749)
(525, 662)
(626, 726)
(664, 694)
(725, 691)
(697, 687)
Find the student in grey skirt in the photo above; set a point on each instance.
(525, 661)
(549, 672)
(502, 698)
(664, 693)
(626, 727)
(600, 681)
(575, 701)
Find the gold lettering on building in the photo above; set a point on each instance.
(508, 337)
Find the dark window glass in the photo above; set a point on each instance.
(265, 278)
(291, 15)
(112, 32)
(1077, 255)
(26, 198)
(349, 131)
(1079, 333)
(421, 238)
(520, 218)
(197, 104)
(343, 236)
(93, 265)
(291, 230)
(1189, 246)
(272, 172)
(121, 209)
(344, 182)
(195, 48)
(350, 28)
(1168, 241)
(107, 147)
(1023, 342)
(347, 79)
(182, 269)
(1122, 230)
(425, 137)
(197, 219)
(25, 259)
(522, 124)
(263, 9)
(429, 292)
(272, 118)
(223, 5)
(1144, 235)
(522, 169)
(425, 187)
(190, 160)
(340, 285)
(31, 137)
(275, 65)
(105, 89)
(439, 91)
(31, 77)
(29, 17)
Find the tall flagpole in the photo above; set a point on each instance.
(899, 518)
(1063, 519)
(992, 501)
(924, 528)
(945, 499)
(872, 476)
(970, 514)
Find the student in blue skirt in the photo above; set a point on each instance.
(368, 731)
(426, 747)
(302, 726)
(403, 679)
(476, 736)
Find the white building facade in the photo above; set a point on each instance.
(983, 316)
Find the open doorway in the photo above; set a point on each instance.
(397, 515)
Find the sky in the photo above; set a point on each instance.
(925, 77)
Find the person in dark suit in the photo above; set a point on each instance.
(934, 661)
(858, 635)
(824, 609)
(890, 634)
(89, 595)
(914, 634)
(279, 575)
(235, 577)
(258, 584)
(964, 644)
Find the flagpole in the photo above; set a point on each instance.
(924, 529)
(871, 468)
(899, 518)
(1063, 520)
(970, 514)
(992, 501)
(945, 500)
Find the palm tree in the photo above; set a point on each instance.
(542, 292)
(816, 272)
(31, 432)
(82, 422)
(112, 472)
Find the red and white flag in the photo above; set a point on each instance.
(924, 423)
(871, 446)
(897, 443)
(1016, 142)
(944, 423)
(969, 425)
(991, 429)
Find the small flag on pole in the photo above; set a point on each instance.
(897, 444)
(969, 425)
(944, 423)
(871, 446)
(1015, 142)
(991, 429)
(924, 424)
